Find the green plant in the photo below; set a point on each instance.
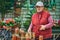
(28, 21)
(5, 5)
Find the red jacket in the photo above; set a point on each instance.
(41, 19)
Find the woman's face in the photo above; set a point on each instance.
(39, 8)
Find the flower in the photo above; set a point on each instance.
(9, 23)
(10, 20)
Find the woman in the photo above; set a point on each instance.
(41, 23)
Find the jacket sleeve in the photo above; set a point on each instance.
(50, 24)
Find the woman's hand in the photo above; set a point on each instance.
(29, 31)
(42, 27)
